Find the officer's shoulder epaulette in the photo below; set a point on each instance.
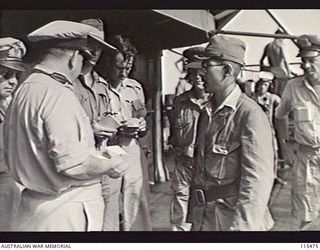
(133, 84)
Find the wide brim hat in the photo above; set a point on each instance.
(68, 34)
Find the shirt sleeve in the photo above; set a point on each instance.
(68, 131)
(257, 172)
(284, 108)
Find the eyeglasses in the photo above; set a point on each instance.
(206, 65)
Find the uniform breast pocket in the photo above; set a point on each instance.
(225, 161)
(303, 112)
(139, 109)
(184, 129)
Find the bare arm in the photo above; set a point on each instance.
(94, 167)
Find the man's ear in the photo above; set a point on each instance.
(228, 69)
(73, 59)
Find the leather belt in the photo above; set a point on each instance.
(219, 192)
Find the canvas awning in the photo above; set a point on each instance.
(150, 30)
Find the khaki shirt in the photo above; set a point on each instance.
(184, 120)
(46, 131)
(300, 98)
(127, 100)
(269, 102)
(3, 107)
(94, 100)
(233, 149)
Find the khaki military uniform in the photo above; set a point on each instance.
(127, 101)
(54, 134)
(184, 120)
(300, 98)
(9, 190)
(234, 169)
(94, 99)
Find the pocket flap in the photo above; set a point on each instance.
(225, 150)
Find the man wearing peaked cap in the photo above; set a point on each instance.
(11, 53)
(269, 102)
(56, 142)
(234, 166)
(183, 124)
(189, 61)
(301, 97)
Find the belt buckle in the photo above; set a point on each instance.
(200, 197)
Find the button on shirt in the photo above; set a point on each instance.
(47, 131)
(300, 98)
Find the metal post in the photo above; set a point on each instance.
(279, 24)
(159, 168)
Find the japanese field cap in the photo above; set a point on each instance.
(192, 61)
(224, 48)
(67, 34)
(309, 46)
(11, 53)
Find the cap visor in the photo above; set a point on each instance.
(194, 65)
(308, 53)
(19, 66)
(102, 42)
(202, 57)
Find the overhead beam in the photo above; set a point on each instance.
(279, 24)
(223, 18)
(241, 33)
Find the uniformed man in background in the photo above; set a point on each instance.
(11, 53)
(269, 102)
(49, 141)
(302, 97)
(183, 124)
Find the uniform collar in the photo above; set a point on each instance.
(189, 97)
(231, 100)
(96, 87)
(60, 77)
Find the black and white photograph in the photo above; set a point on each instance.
(160, 120)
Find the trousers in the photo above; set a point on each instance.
(306, 185)
(9, 201)
(128, 195)
(78, 209)
(181, 180)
